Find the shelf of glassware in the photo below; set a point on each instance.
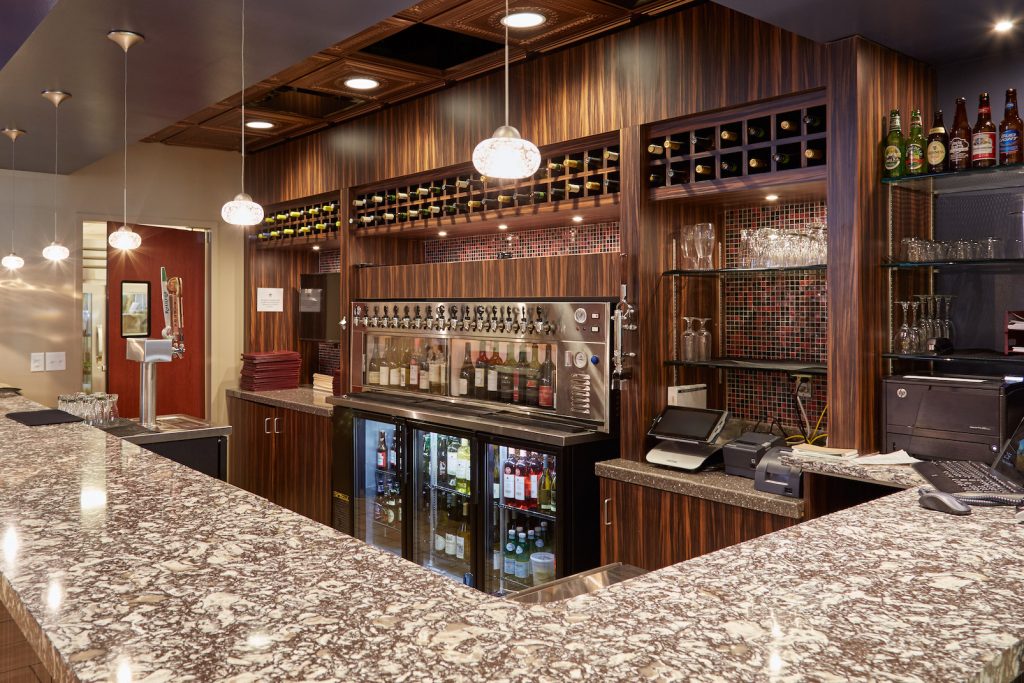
(985, 356)
(718, 272)
(1000, 179)
(966, 264)
(762, 364)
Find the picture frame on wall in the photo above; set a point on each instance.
(135, 309)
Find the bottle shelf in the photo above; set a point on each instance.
(304, 222)
(803, 184)
(718, 272)
(965, 356)
(446, 489)
(996, 179)
(533, 513)
(762, 364)
(974, 264)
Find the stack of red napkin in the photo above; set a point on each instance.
(270, 370)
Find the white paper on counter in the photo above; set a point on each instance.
(900, 457)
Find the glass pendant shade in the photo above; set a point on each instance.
(242, 210)
(125, 239)
(506, 155)
(56, 252)
(12, 261)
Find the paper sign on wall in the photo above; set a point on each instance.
(270, 299)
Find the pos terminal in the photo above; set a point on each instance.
(687, 437)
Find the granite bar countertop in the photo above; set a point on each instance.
(304, 399)
(122, 565)
(897, 476)
(713, 485)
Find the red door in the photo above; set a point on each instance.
(181, 384)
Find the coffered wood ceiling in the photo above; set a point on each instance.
(430, 45)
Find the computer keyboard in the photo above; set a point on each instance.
(974, 476)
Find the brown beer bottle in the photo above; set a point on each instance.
(1010, 132)
(983, 136)
(960, 139)
(937, 151)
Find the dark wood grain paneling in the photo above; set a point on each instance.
(652, 529)
(824, 494)
(251, 446)
(867, 80)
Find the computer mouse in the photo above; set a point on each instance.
(943, 502)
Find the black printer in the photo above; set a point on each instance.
(950, 418)
(742, 454)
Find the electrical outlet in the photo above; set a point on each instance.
(803, 386)
(55, 361)
(37, 362)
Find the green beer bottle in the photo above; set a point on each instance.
(895, 148)
(915, 145)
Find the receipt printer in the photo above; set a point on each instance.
(774, 477)
(742, 454)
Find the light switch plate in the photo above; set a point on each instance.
(37, 362)
(55, 360)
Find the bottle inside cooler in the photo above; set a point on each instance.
(443, 531)
(379, 486)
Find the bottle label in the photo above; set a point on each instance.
(983, 146)
(478, 378)
(959, 150)
(396, 377)
(435, 373)
(463, 386)
(533, 486)
(520, 492)
(414, 375)
(509, 484)
(385, 375)
(373, 377)
(496, 560)
(449, 544)
(424, 381)
(985, 110)
(892, 158)
(510, 565)
(915, 158)
(439, 542)
(937, 129)
(492, 380)
(547, 397)
(936, 152)
(497, 490)
(392, 458)
(1009, 142)
(460, 547)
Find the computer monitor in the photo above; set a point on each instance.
(679, 423)
(1011, 461)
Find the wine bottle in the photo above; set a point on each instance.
(462, 184)
(812, 120)
(422, 191)
(704, 169)
(546, 380)
(755, 133)
(505, 376)
(730, 135)
(611, 156)
(814, 153)
(729, 166)
(757, 163)
(467, 381)
(519, 379)
(480, 374)
(539, 196)
(533, 378)
(397, 196)
(377, 199)
(789, 125)
(358, 203)
(673, 145)
(556, 167)
(655, 149)
(505, 199)
(591, 161)
(574, 164)
(783, 159)
(494, 364)
(475, 204)
(294, 213)
(367, 220)
(573, 188)
(557, 193)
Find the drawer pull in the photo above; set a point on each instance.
(607, 520)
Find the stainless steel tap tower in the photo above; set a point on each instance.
(149, 352)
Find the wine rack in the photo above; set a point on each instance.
(783, 142)
(582, 174)
(310, 220)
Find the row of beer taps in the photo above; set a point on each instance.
(506, 319)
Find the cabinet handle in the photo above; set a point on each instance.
(277, 425)
(607, 520)
(266, 425)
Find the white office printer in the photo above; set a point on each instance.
(687, 437)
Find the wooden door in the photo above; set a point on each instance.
(181, 384)
(302, 464)
(251, 446)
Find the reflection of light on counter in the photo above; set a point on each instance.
(93, 498)
(774, 662)
(10, 545)
(776, 630)
(257, 640)
(124, 671)
(54, 595)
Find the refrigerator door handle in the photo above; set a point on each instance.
(266, 425)
(277, 425)
(607, 520)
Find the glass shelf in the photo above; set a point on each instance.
(794, 366)
(533, 513)
(981, 264)
(998, 179)
(741, 271)
(965, 356)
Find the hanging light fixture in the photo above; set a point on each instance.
(125, 238)
(12, 261)
(242, 210)
(55, 251)
(506, 154)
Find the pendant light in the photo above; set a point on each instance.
(56, 251)
(506, 154)
(242, 210)
(12, 261)
(124, 238)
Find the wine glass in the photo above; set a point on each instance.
(947, 322)
(903, 335)
(689, 340)
(704, 340)
(915, 331)
(925, 325)
(705, 241)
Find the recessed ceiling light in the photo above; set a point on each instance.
(361, 83)
(523, 19)
(577, 219)
(772, 198)
(502, 227)
(259, 125)
(1004, 25)
(442, 234)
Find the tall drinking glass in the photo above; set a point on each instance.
(705, 241)
(704, 340)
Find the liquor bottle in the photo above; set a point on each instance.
(465, 468)
(546, 381)
(533, 378)
(373, 370)
(494, 365)
(704, 170)
(544, 494)
(960, 138)
(442, 462)
(937, 152)
(508, 475)
(505, 377)
(462, 541)
(756, 133)
(983, 136)
(452, 458)
(914, 159)
(480, 374)
(522, 559)
(534, 464)
(1011, 130)
(611, 156)
(729, 167)
(385, 367)
(382, 451)
(466, 381)
(509, 563)
(415, 364)
(895, 148)
(522, 474)
(519, 379)
(730, 135)
(393, 455)
(451, 529)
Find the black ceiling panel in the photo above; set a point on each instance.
(427, 45)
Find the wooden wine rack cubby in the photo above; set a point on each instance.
(306, 221)
(574, 176)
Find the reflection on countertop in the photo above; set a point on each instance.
(303, 399)
(119, 564)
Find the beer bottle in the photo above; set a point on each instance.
(983, 136)
(914, 161)
(937, 152)
(960, 139)
(895, 148)
(1010, 132)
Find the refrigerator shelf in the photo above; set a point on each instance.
(532, 513)
(389, 473)
(452, 567)
(446, 489)
(385, 525)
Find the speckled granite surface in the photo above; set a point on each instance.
(897, 476)
(715, 485)
(304, 399)
(122, 565)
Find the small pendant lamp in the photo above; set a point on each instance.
(56, 251)
(12, 261)
(124, 238)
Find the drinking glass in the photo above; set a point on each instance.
(947, 322)
(687, 248)
(745, 252)
(961, 250)
(705, 242)
(704, 340)
(991, 248)
(112, 400)
(903, 335)
(915, 331)
(689, 340)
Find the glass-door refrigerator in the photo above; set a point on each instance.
(380, 482)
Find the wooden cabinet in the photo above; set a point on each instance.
(283, 455)
(652, 529)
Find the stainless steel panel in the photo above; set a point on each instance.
(578, 584)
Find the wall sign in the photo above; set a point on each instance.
(269, 299)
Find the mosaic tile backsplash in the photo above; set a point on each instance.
(329, 355)
(776, 316)
(596, 238)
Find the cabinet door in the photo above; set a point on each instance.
(301, 470)
(250, 445)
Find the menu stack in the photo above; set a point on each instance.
(270, 370)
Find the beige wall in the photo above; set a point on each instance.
(166, 186)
